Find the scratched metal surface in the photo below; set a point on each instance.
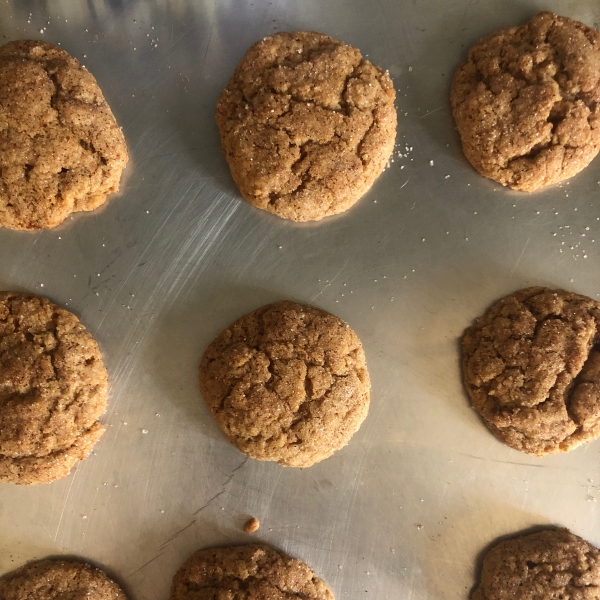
(406, 508)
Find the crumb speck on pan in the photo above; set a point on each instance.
(251, 525)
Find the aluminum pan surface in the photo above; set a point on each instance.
(405, 509)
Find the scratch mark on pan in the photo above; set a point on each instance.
(209, 37)
(224, 487)
(144, 565)
(240, 465)
(173, 285)
(113, 261)
(441, 501)
(520, 256)
(387, 235)
(162, 546)
(62, 512)
(467, 9)
(149, 246)
(332, 279)
(354, 485)
(207, 503)
(431, 112)
(181, 37)
(508, 462)
(405, 183)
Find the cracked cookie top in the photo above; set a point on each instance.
(59, 580)
(531, 366)
(53, 388)
(527, 102)
(541, 566)
(306, 125)
(61, 150)
(287, 383)
(251, 572)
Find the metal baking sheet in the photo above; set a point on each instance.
(406, 508)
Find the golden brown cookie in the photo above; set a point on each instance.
(306, 125)
(61, 150)
(59, 580)
(53, 388)
(527, 102)
(531, 366)
(253, 572)
(549, 565)
(287, 383)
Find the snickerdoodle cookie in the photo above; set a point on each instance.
(252, 572)
(531, 366)
(527, 102)
(53, 389)
(306, 125)
(548, 565)
(287, 383)
(61, 150)
(59, 580)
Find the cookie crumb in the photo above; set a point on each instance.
(251, 525)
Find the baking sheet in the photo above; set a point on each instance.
(405, 509)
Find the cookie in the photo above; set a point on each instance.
(61, 150)
(53, 388)
(253, 572)
(59, 580)
(547, 565)
(527, 102)
(287, 383)
(531, 366)
(306, 125)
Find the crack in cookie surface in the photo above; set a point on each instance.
(53, 389)
(305, 100)
(287, 383)
(249, 572)
(61, 150)
(527, 102)
(531, 366)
